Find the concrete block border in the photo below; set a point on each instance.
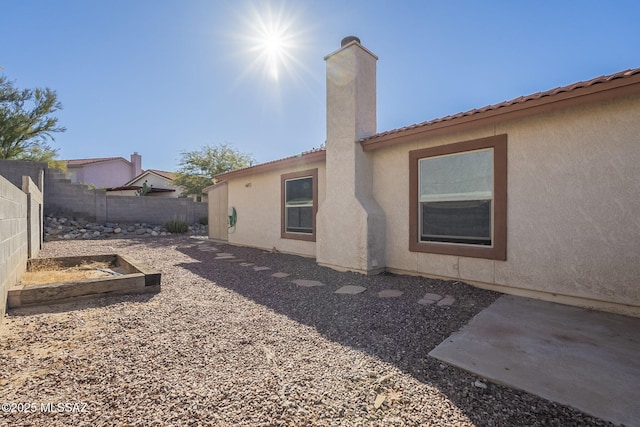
(137, 279)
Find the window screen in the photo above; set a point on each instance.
(456, 198)
(299, 205)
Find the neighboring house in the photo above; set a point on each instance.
(159, 184)
(104, 172)
(537, 196)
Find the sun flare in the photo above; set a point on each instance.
(272, 41)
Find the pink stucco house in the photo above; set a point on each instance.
(104, 172)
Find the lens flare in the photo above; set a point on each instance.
(272, 41)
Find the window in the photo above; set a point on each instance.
(299, 205)
(458, 198)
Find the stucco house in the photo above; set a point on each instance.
(160, 184)
(537, 196)
(104, 172)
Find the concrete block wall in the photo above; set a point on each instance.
(13, 238)
(62, 196)
(35, 210)
(153, 210)
(14, 170)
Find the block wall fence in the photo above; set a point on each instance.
(20, 232)
(63, 197)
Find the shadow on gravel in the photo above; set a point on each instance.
(399, 331)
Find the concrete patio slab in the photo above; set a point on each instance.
(351, 290)
(582, 358)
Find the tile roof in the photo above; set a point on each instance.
(315, 154)
(164, 174)
(373, 141)
(79, 162)
(522, 101)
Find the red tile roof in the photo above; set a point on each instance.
(598, 84)
(79, 162)
(618, 80)
(164, 174)
(317, 154)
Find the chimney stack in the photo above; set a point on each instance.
(136, 164)
(351, 225)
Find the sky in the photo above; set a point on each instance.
(162, 77)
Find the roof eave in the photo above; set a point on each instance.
(597, 92)
(311, 157)
(214, 186)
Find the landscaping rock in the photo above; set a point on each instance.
(63, 228)
(224, 345)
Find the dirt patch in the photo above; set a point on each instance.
(51, 272)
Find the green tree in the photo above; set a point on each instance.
(26, 122)
(146, 188)
(198, 167)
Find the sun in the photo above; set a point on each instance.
(274, 50)
(272, 41)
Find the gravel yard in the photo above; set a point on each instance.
(225, 344)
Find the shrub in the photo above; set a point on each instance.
(176, 226)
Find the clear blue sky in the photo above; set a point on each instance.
(163, 76)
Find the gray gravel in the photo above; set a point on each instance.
(225, 345)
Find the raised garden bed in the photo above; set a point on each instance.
(65, 279)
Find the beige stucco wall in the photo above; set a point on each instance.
(573, 233)
(257, 202)
(218, 197)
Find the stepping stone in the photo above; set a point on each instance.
(246, 264)
(432, 297)
(351, 290)
(207, 249)
(447, 300)
(225, 254)
(425, 301)
(307, 283)
(389, 293)
(225, 257)
(279, 275)
(261, 268)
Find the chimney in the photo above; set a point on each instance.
(136, 164)
(351, 232)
